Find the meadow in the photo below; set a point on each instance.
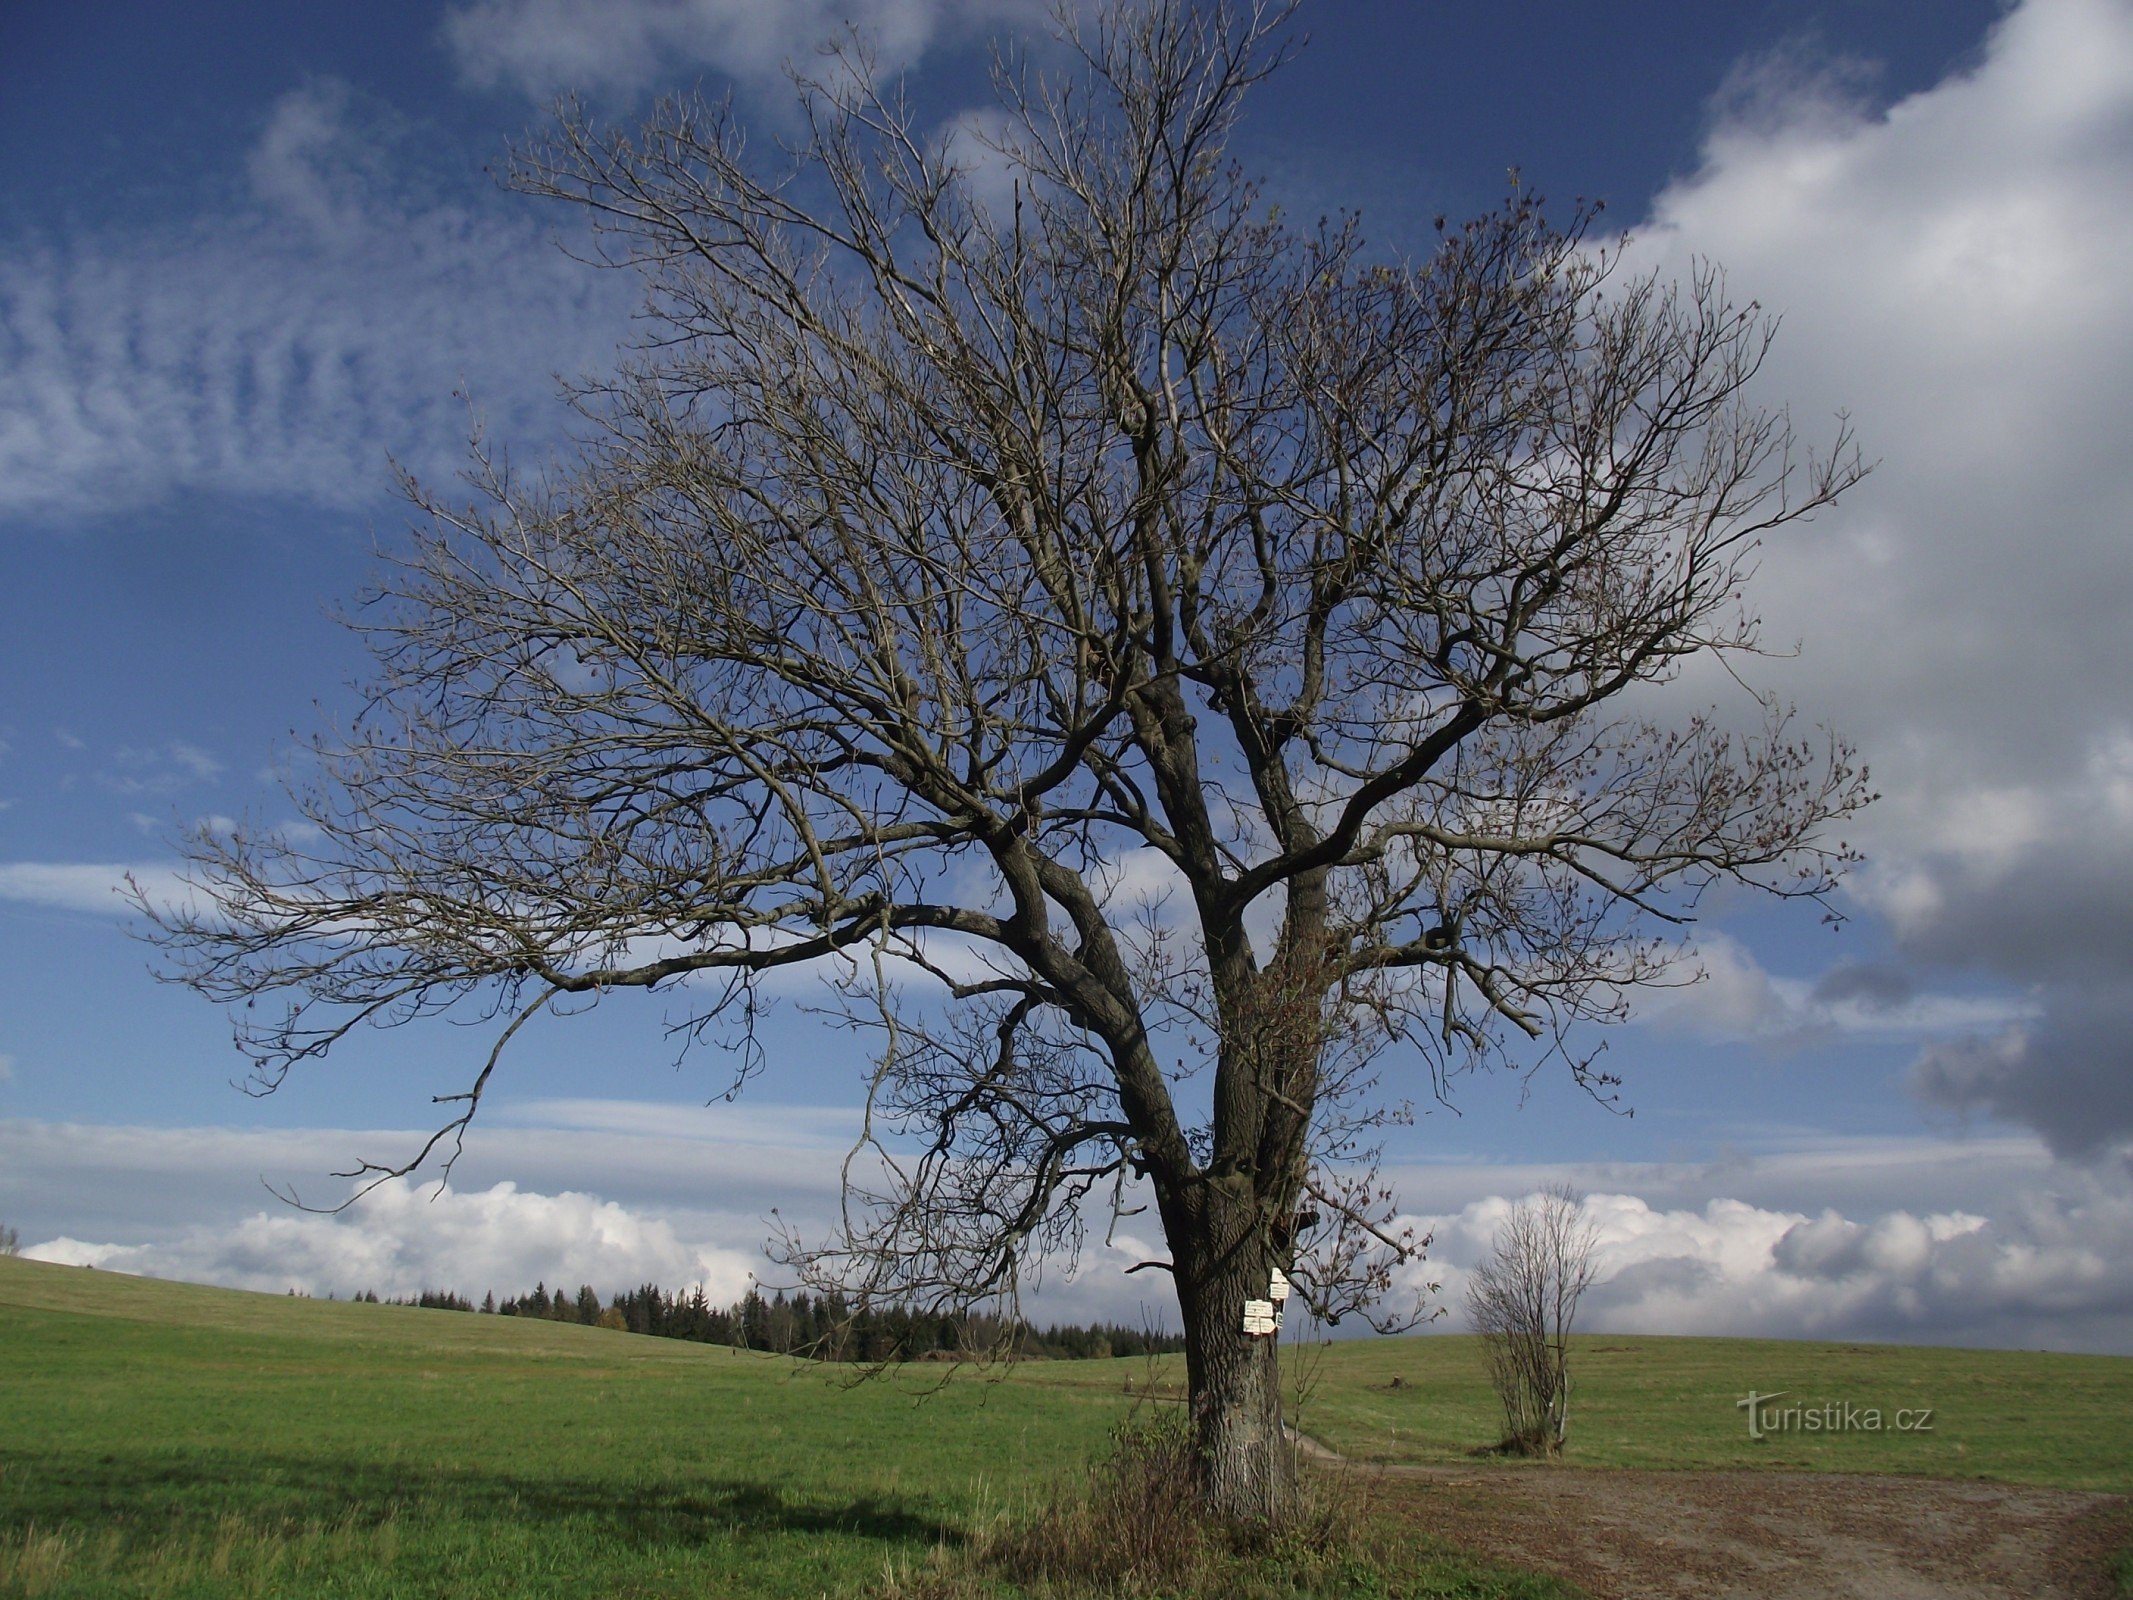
(169, 1439)
(2015, 1416)
(172, 1440)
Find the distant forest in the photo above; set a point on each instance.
(823, 1328)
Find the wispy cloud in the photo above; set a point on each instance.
(290, 343)
(136, 1181)
(752, 1123)
(96, 887)
(158, 769)
(1734, 998)
(542, 47)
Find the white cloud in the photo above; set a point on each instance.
(732, 1162)
(542, 47)
(158, 769)
(2053, 1268)
(405, 1237)
(749, 1123)
(192, 759)
(1982, 1241)
(87, 886)
(982, 144)
(686, 1191)
(1142, 881)
(287, 345)
(1949, 272)
(311, 168)
(574, 1191)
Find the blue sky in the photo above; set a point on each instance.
(248, 255)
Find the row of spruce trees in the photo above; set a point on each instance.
(824, 1327)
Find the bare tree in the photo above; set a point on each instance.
(1523, 1301)
(1152, 662)
(10, 1242)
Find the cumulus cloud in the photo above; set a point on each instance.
(730, 1163)
(541, 47)
(610, 1193)
(288, 345)
(1983, 1241)
(2053, 1269)
(405, 1237)
(606, 1192)
(1945, 269)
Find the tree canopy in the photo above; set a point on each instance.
(1167, 667)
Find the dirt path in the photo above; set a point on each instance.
(1626, 1535)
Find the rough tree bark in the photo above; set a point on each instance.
(1156, 665)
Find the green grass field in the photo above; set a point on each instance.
(171, 1440)
(2017, 1416)
(167, 1439)
(210, 1442)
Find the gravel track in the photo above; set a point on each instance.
(1706, 1535)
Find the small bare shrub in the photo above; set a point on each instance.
(1523, 1300)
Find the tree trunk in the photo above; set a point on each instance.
(1246, 1465)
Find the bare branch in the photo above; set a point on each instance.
(1152, 664)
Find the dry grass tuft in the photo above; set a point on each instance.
(36, 1561)
(1133, 1527)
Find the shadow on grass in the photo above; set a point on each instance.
(54, 1488)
